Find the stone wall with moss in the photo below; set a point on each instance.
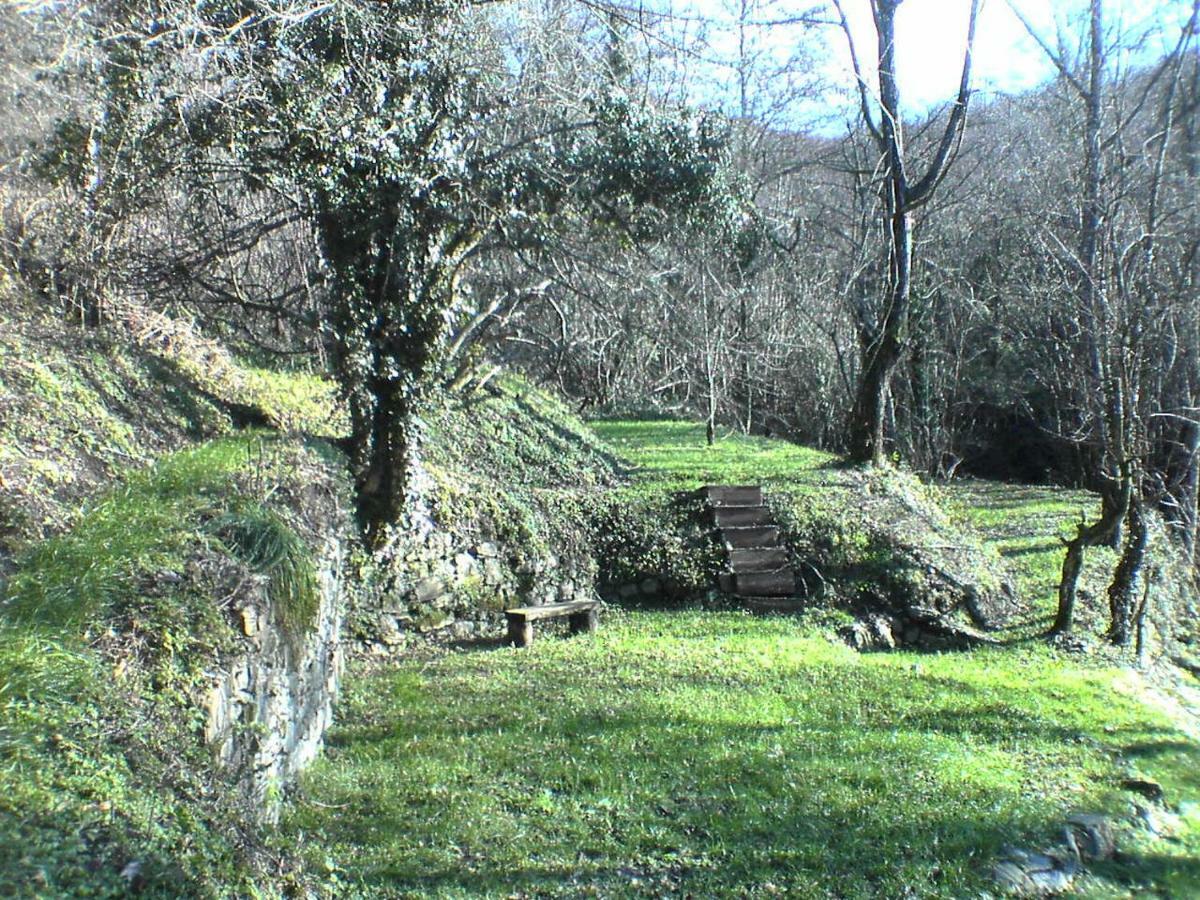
(269, 705)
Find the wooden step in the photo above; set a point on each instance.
(742, 516)
(746, 538)
(732, 494)
(758, 559)
(764, 584)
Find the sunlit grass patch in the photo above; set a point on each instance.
(717, 755)
(675, 454)
(148, 523)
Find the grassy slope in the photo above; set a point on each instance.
(107, 633)
(79, 408)
(719, 754)
(1023, 523)
(131, 514)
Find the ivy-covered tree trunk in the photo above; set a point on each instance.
(395, 278)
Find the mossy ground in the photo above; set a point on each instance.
(718, 754)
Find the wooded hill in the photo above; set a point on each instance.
(301, 302)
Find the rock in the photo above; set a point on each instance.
(1026, 874)
(389, 632)
(882, 631)
(428, 589)
(857, 635)
(250, 623)
(464, 564)
(487, 550)
(434, 620)
(493, 572)
(1147, 817)
(875, 633)
(132, 875)
(1092, 836)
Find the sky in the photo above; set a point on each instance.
(930, 36)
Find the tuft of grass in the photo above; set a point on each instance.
(720, 754)
(260, 538)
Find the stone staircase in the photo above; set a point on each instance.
(759, 573)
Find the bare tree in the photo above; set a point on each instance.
(902, 196)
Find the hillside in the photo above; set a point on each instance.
(181, 577)
(179, 540)
(147, 530)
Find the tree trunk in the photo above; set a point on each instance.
(883, 349)
(870, 403)
(1114, 505)
(1191, 494)
(1122, 593)
(381, 463)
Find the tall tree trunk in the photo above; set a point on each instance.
(381, 461)
(1123, 591)
(886, 343)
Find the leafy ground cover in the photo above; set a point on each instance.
(718, 754)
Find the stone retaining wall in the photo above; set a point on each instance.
(269, 707)
(444, 582)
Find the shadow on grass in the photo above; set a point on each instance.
(634, 797)
(1171, 876)
(1033, 550)
(691, 818)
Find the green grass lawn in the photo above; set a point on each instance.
(1024, 524)
(672, 455)
(719, 754)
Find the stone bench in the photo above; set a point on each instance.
(582, 615)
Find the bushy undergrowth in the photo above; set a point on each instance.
(521, 466)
